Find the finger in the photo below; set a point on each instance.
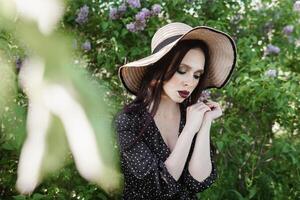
(205, 108)
(202, 106)
(209, 100)
(197, 105)
(213, 104)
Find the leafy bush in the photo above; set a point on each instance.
(258, 136)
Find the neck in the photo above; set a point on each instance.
(167, 107)
(167, 104)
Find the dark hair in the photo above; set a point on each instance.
(152, 83)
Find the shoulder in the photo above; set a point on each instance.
(128, 126)
(124, 120)
(134, 114)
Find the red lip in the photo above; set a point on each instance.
(184, 93)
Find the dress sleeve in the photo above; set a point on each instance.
(194, 185)
(143, 163)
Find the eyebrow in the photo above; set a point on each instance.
(200, 70)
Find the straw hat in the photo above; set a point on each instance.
(222, 52)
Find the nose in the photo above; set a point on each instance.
(189, 80)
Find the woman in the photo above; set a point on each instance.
(163, 133)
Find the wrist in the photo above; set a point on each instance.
(207, 119)
(189, 131)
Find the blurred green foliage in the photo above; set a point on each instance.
(258, 136)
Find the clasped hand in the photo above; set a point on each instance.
(202, 112)
(214, 112)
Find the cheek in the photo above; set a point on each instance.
(195, 83)
(174, 81)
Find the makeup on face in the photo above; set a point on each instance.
(187, 76)
(184, 93)
(184, 68)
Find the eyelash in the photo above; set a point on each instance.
(180, 72)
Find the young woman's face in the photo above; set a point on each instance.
(186, 78)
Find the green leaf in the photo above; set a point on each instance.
(220, 145)
(19, 197)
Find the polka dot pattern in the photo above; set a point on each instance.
(145, 174)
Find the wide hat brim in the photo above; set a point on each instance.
(222, 53)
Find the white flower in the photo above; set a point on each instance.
(46, 13)
(297, 6)
(47, 99)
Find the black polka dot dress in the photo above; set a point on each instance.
(145, 174)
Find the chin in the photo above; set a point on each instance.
(181, 100)
(178, 100)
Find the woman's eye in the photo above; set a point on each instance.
(180, 72)
(196, 76)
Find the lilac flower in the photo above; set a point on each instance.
(82, 16)
(271, 73)
(143, 15)
(86, 46)
(140, 25)
(297, 6)
(204, 95)
(156, 8)
(140, 16)
(147, 12)
(122, 9)
(116, 13)
(134, 3)
(113, 13)
(131, 27)
(287, 30)
(271, 49)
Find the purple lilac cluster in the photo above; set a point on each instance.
(140, 19)
(297, 6)
(86, 46)
(272, 49)
(272, 73)
(82, 16)
(156, 9)
(116, 13)
(134, 3)
(205, 95)
(288, 30)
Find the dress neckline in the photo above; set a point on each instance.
(181, 124)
